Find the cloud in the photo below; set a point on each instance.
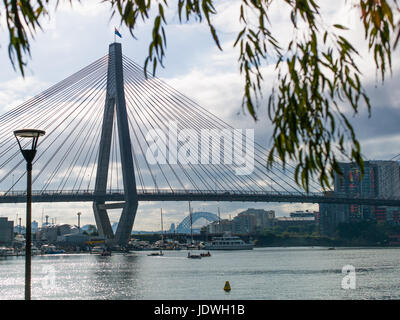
(18, 90)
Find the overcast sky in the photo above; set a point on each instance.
(75, 37)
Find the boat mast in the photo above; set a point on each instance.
(219, 221)
(191, 224)
(162, 232)
(162, 229)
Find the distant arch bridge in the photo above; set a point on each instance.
(184, 226)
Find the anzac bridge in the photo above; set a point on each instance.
(116, 136)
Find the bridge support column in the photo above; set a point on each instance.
(102, 220)
(115, 105)
(126, 221)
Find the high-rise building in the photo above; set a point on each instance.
(6, 231)
(330, 215)
(380, 179)
(387, 178)
(353, 184)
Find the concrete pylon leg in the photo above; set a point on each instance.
(125, 224)
(100, 213)
(115, 107)
(102, 220)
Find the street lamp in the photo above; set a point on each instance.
(29, 154)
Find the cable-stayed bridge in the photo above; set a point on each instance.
(115, 137)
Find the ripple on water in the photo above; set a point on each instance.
(268, 273)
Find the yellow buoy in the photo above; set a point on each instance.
(227, 286)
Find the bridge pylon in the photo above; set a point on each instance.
(115, 108)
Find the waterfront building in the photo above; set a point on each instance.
(303, 214)
(220, 226)
(248, 221)
(387, 215)
(51, 233)
(285, 222)
(353, 184)
(330, 215)
(253, 221)
(6, 231)
(387, 178)
(380, 179)
(244, 223)
(73, 239)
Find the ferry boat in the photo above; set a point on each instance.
(228, 242)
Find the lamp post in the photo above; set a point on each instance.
(29, 154)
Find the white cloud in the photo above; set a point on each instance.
(90, 8)
(18, 90)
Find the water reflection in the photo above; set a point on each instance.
(115, 277)
(267, 273)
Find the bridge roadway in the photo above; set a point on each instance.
(193, 195)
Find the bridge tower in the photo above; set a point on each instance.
(115, 108)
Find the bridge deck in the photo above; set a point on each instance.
(193, 195)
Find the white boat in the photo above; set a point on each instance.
(6, 252)
(35, 251)
(97, 250)
(228, 242)
(50, 249)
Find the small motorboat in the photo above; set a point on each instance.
(106, 253)
(155, 254)
(208, 254)
(193, 256)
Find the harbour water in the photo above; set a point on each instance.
(262, 273)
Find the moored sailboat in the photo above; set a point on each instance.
(157, 254)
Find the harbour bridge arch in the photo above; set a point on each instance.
(184, 226)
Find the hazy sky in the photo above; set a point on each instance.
(75, 37)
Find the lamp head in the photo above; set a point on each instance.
(32, 134)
